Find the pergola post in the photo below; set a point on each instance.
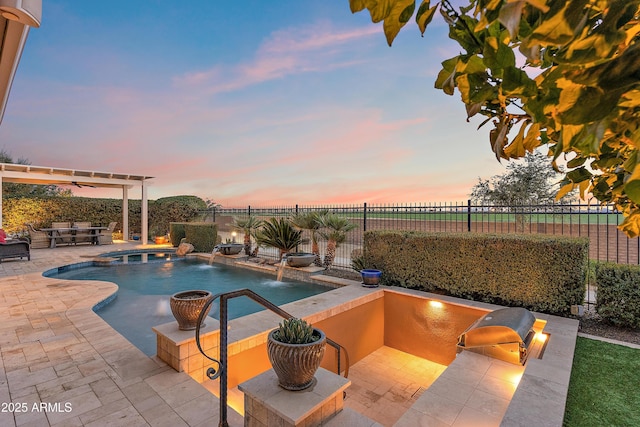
(145, 215)
(125, 213)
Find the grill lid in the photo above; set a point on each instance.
(506, 325)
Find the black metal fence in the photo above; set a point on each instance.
(598, 223)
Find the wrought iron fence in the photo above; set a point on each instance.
(598, 223)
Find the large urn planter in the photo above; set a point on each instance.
(370, 277)
(186, 307)
(230, 248)
(296, 364)
(300, 259)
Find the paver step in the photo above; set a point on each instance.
(351, 418)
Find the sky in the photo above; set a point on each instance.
(244, 103)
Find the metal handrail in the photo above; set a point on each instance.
(222, 362)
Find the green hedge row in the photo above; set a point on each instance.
(541, 273)
(43, 211)
(202, 235)
(618, 295)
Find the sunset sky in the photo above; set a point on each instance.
(243, 103)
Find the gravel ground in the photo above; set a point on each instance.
(590, 323)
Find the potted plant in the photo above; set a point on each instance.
(370, 276)
(186, 307)
(295, 350)
(158, 235)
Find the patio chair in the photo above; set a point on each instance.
(106, 236)
(39, 239)
(14, 249)
(65, 236)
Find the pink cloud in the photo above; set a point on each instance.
(285, 52)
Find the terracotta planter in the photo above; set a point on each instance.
(300, 259)
(160, 240)
(186, 307)
(296, 364)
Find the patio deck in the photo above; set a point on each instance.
(56, 351)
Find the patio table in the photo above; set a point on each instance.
(93, 232)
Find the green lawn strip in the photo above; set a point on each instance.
(604, 387)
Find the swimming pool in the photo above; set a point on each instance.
(142, 300)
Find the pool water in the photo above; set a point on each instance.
(142, 300)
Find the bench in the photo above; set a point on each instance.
(18, 249)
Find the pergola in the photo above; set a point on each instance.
(28, 174)
(16, 18)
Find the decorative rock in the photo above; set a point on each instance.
(184, 248)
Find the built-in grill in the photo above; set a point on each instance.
(506, 334)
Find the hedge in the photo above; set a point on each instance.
(202, 235)
(618, 295)
(43, 211)
(538, 272)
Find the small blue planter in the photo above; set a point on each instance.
(370, 277)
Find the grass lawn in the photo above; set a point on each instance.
(604, 385)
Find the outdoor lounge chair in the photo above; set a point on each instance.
(17, 249)
(39, 239)
(106, 236)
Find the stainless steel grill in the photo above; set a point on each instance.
(506, 334)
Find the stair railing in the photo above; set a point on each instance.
(222, 362)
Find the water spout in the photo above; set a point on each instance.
(280, 268)
(215, 250)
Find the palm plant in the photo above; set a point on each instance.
(279, 233)
(312, 222)
(248, 226)
(335, 231)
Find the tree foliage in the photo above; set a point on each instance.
(564, 74)
(10, 189)
(532, 182)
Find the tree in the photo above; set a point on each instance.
(279, 233)
(10, 189)
(532, 182)
(577, 91)
(311, 221)
(248, 226)
(335, 231)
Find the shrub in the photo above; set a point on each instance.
(43, 211)
(618, 295)
(541, 273)
(176, 232)
(202, 235)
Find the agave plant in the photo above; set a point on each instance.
(295, 331)
(279, 233)
(311, 221)
(248, 226)
(335, 231)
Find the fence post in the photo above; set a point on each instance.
(249, 210)
(469, 215)
(364, 217)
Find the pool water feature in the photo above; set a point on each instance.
(142, 300)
